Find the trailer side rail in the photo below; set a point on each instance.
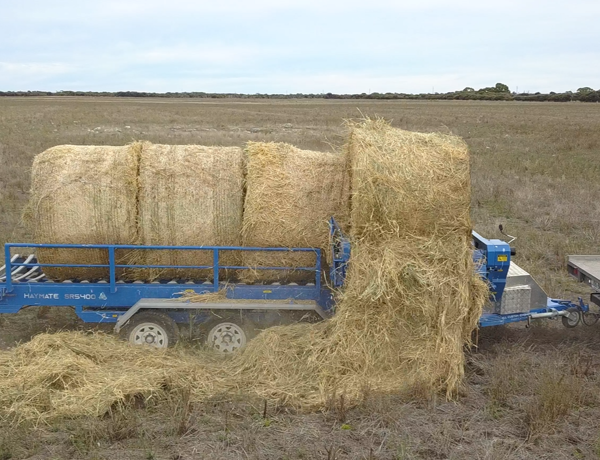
(113, 266)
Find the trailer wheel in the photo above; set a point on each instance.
(153, 329)
(572, 319)
(227, 335)
(590, 318)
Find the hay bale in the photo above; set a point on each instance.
(412, 298)
(189, 195)
(408, 183)
(291, 194)
(83, 195)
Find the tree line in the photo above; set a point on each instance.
(499, 92)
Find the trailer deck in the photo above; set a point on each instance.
(586, 269)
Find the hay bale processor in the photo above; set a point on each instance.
(149, 312)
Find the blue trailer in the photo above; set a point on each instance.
(149, 312)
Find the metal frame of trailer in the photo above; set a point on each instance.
(110, 300)
(586, 269)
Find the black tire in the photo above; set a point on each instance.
(590, 318)
(573, 319)
(227, 334)
(151, 328)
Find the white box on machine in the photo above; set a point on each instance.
(515, 299)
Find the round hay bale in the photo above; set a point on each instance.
(408, 183)
(291, 194)
(189, 195)
(83, 195)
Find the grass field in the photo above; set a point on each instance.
(529, 393)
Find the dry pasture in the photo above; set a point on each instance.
(529, 393)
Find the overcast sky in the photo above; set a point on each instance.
(279, 46)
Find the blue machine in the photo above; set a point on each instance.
(492, 257)
(514, 294)
(149, 311)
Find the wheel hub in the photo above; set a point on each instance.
(226, 338)
(149, 334)
(150, 338)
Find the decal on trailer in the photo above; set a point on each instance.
(80, 296)
(502, 258)
(28, 295)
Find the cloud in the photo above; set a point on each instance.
(298, 45)
(29, 75)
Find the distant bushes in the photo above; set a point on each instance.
(499, 92)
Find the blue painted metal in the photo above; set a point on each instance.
(105, 302)
(492, 260)
(112, 270)
(215, 270)
(554, 305)
(113, 266)
(7, 257)
(493, 257)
